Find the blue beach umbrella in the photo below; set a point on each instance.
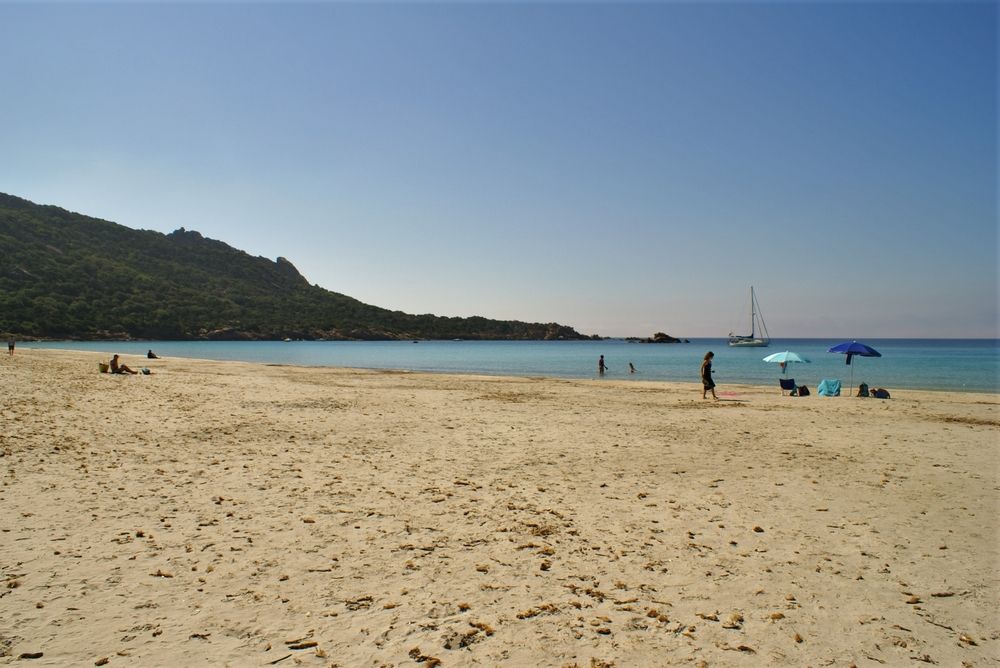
(852, 348)
(784, 357)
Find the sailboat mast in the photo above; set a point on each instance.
(752, 339)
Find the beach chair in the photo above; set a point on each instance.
(787, 385)
(828, 387)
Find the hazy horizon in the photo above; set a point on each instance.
(621, 169)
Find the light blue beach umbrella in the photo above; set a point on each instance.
(784, 357)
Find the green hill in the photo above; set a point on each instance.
(66, 275)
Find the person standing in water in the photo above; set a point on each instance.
(706, 376)
(10, 346)
(601, 366)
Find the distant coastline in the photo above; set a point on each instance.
(67, 277)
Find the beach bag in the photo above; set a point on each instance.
(802, 390)
(102, 367)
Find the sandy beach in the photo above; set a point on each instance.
(231, 514)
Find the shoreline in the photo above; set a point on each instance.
(610, 378)
(235, 513)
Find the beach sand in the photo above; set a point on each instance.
(231, 514)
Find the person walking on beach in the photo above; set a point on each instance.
(601, 366)
(10, 346)
(706, 376)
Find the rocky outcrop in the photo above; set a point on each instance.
(660, 337)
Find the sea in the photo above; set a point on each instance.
(968, 365)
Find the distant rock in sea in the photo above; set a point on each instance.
(660, 337)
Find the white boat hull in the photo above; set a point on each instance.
(749, 343)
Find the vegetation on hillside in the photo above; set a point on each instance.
(68, 276)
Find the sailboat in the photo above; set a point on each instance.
(754, 340)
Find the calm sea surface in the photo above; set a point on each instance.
(944, 364)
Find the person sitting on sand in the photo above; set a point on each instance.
(115, 367)
(151, 355)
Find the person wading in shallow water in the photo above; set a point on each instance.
(601, 366)
(706, 376)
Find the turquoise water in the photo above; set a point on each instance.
(963, 365)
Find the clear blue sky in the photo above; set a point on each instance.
(623, 169)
